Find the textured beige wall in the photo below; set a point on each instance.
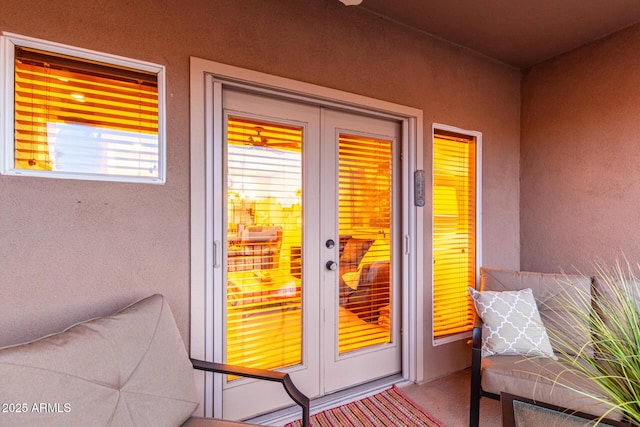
(580, 190)
(72, 249)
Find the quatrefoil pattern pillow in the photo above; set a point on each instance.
(512, 324)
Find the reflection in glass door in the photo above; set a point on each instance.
(264, 234)
(364, 212)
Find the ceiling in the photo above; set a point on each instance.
(520, 33)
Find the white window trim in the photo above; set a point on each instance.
(206, 82)
(8, 42)
(478, 136)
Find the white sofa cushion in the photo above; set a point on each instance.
(128, 369)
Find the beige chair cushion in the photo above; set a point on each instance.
(128, 369)
(542, 379)
(565, 329)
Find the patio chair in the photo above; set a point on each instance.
(127, 369)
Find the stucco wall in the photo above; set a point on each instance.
(74, 249)
(580, 144)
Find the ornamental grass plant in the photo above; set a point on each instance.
(611, 362)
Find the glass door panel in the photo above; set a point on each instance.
(264, 234)
(364, 212)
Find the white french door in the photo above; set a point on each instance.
(311, 265)
(361, 297)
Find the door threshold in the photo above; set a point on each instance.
(292, 413)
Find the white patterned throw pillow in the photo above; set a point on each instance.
(512, 324)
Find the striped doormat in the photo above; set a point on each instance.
(389, 408)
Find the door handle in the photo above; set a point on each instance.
(216, 254)
(331, 265)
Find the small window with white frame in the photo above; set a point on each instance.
(457, 236)
(74, 113)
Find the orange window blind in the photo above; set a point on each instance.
(79, 116)
(264, 231)
(365, 200)
(454, 232)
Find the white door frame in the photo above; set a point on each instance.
(207, 79)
